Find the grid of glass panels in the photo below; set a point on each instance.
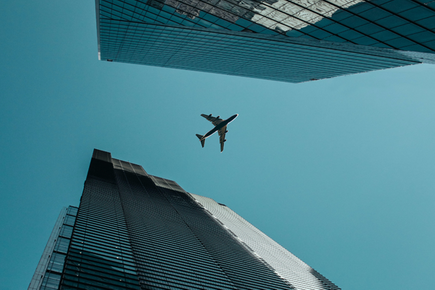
(254, 56)
(145, 32)
(176, 245)
(242, 267)
(287, 265)
(131, 233)
(167, 254)
(57, 258)
(234, 15)
(100, 255)
(399, 24)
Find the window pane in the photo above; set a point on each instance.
(56, 262)
(66, 231)
(51, 281)
(61, 245)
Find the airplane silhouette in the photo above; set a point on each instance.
(220, 127)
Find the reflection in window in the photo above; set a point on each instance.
(51, 281)
(56, 262)
(72, 210)
(69, 220)
(61, 245)
(66, 231)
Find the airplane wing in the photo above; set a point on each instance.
(222, 139)
(214, 120)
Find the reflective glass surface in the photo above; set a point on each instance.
(137, 231)
(50, 281)
(56, 258)
(100, 254)
(382, 22)
(231, 36)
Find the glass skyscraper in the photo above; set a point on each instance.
(134, 230)
(284, 40)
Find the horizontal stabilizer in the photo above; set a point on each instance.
(200, 137)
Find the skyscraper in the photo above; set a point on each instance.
(134, 230)
(285, 40)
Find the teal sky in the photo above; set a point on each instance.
(340, 171)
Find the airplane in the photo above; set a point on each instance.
(220, 127)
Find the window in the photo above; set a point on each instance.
(61, 245)
(56, 262)
(51, 281)
(69, 220)
(66, 231)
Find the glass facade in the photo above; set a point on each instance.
(292, 41)
(50, 267)
(138, 231)
(398, 24)
(100, 254)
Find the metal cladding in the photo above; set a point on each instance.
(133, 230)
(292, 41)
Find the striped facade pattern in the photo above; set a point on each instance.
(284, 263)
(133, 230)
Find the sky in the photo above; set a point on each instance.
(339, 171)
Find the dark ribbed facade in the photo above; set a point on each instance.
(137, 231)
(293, 41)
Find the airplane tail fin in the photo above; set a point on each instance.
(200, 139)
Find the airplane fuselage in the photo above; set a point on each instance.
(219, 126)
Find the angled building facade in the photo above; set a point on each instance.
(133, 230)
(284, 40)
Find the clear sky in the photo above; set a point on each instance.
(340, 171)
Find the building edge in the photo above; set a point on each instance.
(41, 269)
